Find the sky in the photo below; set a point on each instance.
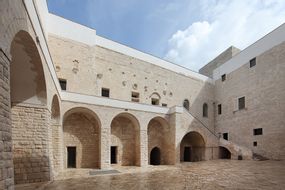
(189, 33)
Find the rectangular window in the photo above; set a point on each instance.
(254, 143)
(252, 62)
(135, 97)
(105, 92)
(257, 131)
(164, 105)
(223, 77)
(154, 101)
(220, 109)
(226, 136)
(241, 103)
(62, 83)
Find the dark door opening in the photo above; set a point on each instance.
(224, 153)
(187, 154)
(155, 156)
(71, 157)
(113, 155)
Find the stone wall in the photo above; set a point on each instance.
(264, 91)
(6, 164)
(83, 132)
(30, 144)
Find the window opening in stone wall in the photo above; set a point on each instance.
(226, 136)
(164, 105)
(257, 131)
(155, 101)
(71, 157)
(220, 109)
(223, 77)
(254, 143)
(205, 110)
(135, 97)
(252, 62)
(105, 92)
(62, 83)
(241, 103)
(186, 104)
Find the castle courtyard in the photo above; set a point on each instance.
(214, 174)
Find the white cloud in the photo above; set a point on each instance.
(224, 23)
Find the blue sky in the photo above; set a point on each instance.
(187, 32)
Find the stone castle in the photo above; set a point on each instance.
(73, 99)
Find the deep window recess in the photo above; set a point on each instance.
(220, 109)
(105, 92)
(62, 83)
(164, 105)
(257, 131)
(226, 136)
(254, 143)
(205, 110)
(154, 101)
(241, 103)
(252, 62)
(135, 97)
(224, 77)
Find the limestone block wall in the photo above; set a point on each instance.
(264, 91)
(30, 144)
(6, 163)
(82, 132)
(88, 69)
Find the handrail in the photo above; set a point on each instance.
(187, 111)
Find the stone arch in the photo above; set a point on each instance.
(125, 137)
(155, 158)
(192, 147)
(27, 75)
(160, 136)
(186, 104)
(81, 134)
(224, 153)
(29, 111)
(205, 110)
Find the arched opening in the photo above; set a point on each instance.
(29, 111)
(186, 104)
(192, 147)
(81, 135)
(155, 156)
(125, 140)
(205, 110)
(159, 135)
(56, 133)
(155, 98)
(224, 153)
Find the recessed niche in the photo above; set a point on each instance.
(170, 94)
(99, 75)
(110, 69)
(123, 72)
(135, 86)
(145, 78)
(124, 83)
(134, 75)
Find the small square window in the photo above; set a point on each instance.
(62, 83)
(254, 143)
(226, 136)
(135, 97)
(241, 103)
(220, 109)
(224, 77)
(257, 131)
(154, 101)
(252, 62)
(164, 105)
(105, 92)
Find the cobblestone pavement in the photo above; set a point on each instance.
(217, 174)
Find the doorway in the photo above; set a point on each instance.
(113, 155)
(155, 156)
(187, 154)
(71, 157)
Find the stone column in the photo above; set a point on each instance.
(6, 162)
(105, 145)
(143, 148)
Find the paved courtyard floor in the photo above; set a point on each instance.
(216, 174)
